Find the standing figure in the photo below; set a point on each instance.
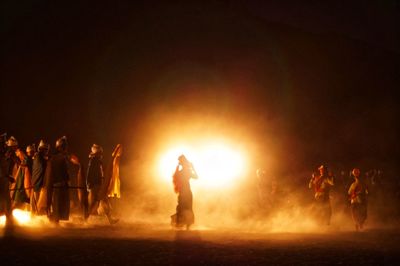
(5, 202)
(94, 176)
(111, 190)
(97, 185)
(30, 153)
(79, 197)
(21, 189)
(322, 183)
(358, 192)
(13, 160)
(184, 212)
(38, 171)
(56, 183)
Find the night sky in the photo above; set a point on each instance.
(317, 80)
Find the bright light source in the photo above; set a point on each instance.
(2, 220)
(216, 164)
(22, 217)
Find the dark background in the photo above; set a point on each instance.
(318, 80)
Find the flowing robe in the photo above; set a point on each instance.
(358, 195)
(56, 183)
(21, 193)
(184, 210)
(38, 173)
(322, 205)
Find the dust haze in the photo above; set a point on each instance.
(266, 143)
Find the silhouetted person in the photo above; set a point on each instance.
(12, 159)
(358, 192)
(110, 191)
(38, 172)
(21, 190)
(56, 182)
(184, 215)
(79, 193)
(30, 153)
(94, 176)
(5, 201)
(96, 184)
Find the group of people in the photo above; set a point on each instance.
(357, 193)
(53, 183)
(322, 181)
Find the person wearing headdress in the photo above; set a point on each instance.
(5, 201)
(38, 172)
(13, 160)
(12, 143)
(18, 170)
(358, 193)
(321, 183)
(56, 183)
(94, 176)
(21, 190)
(110, 190)
(97, 185)
(30, 153)
(184, 215)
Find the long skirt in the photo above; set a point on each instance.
(93, 199)
(20, 195)
(60, 202)
(184, 212)
(359, 213)
(323, 211)
(34, 201)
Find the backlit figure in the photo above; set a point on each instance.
(184, 215)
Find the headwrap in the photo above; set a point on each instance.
(61, 143)
(43, 145)
(96, 149)
(12, 142)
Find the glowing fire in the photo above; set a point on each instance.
(216, 164)
(20, 217)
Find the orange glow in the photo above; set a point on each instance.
(217, 164)
(2, 220)
(20, 217)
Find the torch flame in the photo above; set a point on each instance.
(21, 217)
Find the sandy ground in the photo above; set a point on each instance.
(146, 244)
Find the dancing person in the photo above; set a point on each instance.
(321, 183)
(358, 192)
(184, 215)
